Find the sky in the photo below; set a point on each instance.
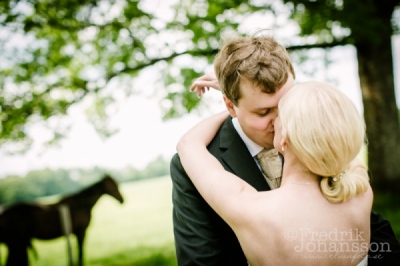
(143, 135)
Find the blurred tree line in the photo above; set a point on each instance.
(48, 182)
(57, 53)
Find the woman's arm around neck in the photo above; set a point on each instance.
(223, 191)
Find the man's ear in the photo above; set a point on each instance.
(229, 106)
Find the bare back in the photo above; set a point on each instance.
(296, 225)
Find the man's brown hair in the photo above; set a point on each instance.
(260, 59)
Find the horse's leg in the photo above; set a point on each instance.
(80, 236)
(17, 255)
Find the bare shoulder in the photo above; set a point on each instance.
(363, 201)
(260, 205)
(263, 210)
(271, 206)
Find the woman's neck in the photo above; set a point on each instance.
(300, 178)
(294, 172)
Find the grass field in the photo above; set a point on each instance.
(138, 232)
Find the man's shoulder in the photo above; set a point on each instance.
(225, 136)
(175, 158)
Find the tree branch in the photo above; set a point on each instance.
(167, 58)
(344, 41)
(211, 52)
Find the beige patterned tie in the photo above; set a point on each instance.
(271, 166)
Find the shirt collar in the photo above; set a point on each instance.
(253, 147)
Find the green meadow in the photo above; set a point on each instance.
(137, 232)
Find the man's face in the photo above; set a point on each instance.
(256, 111)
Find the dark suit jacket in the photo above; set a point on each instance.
(384, 247)
(201, 236)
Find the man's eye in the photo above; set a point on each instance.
(266, 112)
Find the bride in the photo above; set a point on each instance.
(320, 214)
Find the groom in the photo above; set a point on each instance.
(243, 65)
(201, 236)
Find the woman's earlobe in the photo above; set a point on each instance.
(283, 144)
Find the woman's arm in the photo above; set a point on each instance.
(223, 191)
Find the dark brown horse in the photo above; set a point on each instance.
(21, 222)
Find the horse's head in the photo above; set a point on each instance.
(111, 188)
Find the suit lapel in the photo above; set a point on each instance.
(238, 158)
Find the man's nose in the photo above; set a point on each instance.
(274, 114)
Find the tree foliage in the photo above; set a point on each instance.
(369, 27)
(59, 53)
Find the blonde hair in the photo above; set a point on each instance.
(260, 59)
(326, 132)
